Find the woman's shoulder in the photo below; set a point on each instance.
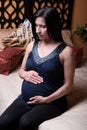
(30, 46)
(67, 53)
(66, 48)
(69, 50)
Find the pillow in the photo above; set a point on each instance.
(4, 33)
(67, 37)
(1, 46)
(20, 37)
(10, 57)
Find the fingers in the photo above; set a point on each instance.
(35, 78)
(33, 100)
(38, 100)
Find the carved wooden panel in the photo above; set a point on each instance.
(64, 8)
(13, 12)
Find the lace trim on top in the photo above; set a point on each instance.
(39, 60)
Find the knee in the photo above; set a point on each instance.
(26, 124)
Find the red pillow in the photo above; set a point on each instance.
(10, 57)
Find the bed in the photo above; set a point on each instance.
(75, 118)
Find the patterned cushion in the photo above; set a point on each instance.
(20, 37)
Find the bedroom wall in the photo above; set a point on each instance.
(79, 17)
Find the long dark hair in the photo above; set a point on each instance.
(53, 23)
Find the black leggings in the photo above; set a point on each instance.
(17, 115)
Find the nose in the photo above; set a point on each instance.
(38, 30)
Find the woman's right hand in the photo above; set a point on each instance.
(33, 76)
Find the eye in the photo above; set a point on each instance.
(43, 26)
(40, 26)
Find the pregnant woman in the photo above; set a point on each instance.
(47, 71)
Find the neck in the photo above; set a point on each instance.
(48, 41)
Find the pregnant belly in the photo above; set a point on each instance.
(30, 90)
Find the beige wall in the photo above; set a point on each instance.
(79, 17)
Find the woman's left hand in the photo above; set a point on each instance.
(37, 100)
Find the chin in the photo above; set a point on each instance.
(40, 39)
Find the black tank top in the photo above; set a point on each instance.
(50, 68)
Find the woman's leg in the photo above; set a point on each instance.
(10, 118)
(37, 115)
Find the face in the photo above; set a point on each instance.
(41, 28)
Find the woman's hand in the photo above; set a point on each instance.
(33, 76)
(38, 100)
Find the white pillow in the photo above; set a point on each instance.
(67, 37)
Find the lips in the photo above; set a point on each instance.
(40, 36)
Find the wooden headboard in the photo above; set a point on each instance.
(13, 12)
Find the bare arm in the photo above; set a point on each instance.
(31, 76)
(68, 59)
(22, 70)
